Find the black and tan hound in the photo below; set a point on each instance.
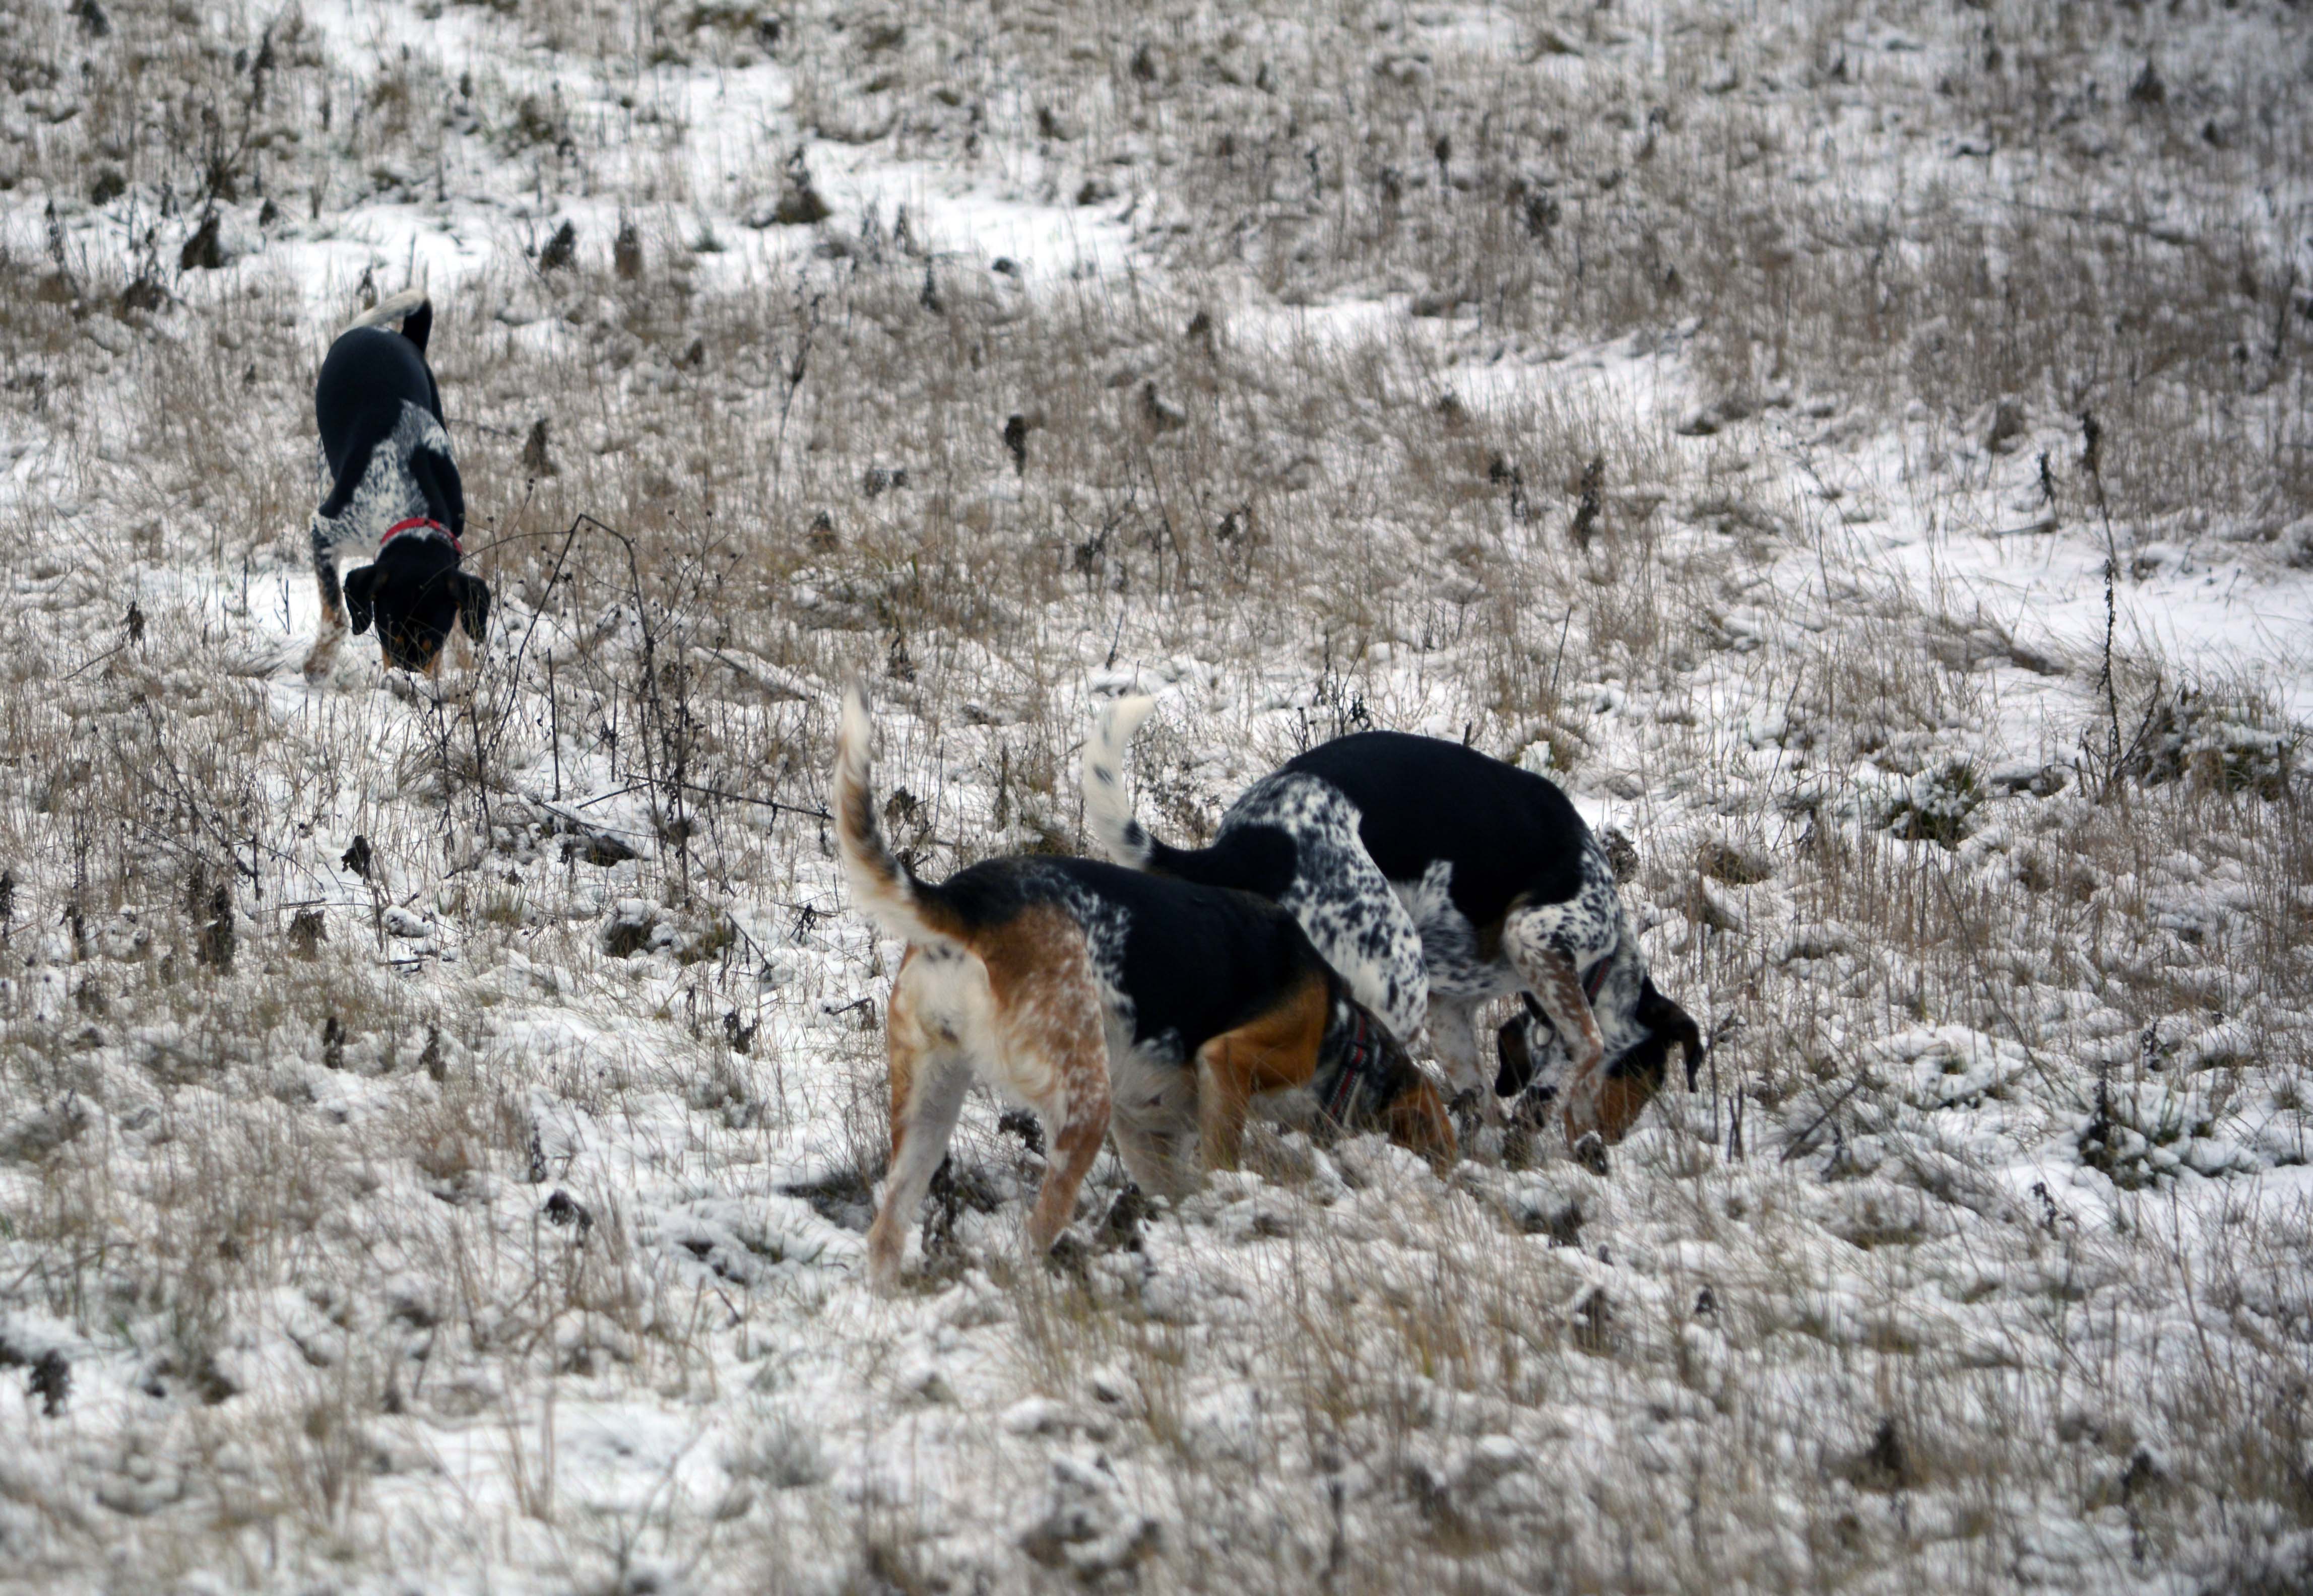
(1104, 998)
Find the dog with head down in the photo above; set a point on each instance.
(394, 495)
(1435, 878)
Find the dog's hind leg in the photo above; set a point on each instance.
(1052, 1040)
(1360, 926)
(923, 1117)
(333, 612)
(1075, 1104)
(930, 1070)
(1075, 1143)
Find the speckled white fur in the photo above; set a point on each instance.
(1342, 899)
(387, 493)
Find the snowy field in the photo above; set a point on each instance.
(1863, 452)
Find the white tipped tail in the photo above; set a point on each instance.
(882, 888)
(392, 308)
(1108, 813)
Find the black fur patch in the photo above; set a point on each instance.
(1507, 833)
(416, 593)
(1193, 961)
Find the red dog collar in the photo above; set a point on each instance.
(412, 524)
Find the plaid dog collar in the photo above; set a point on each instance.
(1355, 1077)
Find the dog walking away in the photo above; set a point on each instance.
(1436, 878)
(394, 494)
(1104, 998)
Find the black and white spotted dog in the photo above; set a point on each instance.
(1434, 878)
(394, 495)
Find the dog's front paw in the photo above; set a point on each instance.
(1122, 1228)
(1589, 1151)
(1530, 1110)
(1476, 1108)
(886, 1246)
(1068, 1257)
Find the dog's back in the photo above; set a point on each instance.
(1507, 832)
(379, 413)
(1188, 961)
(368, 372)
(391, 472)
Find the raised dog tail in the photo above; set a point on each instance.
(392, 308)
(1107, 811)
(883, 888)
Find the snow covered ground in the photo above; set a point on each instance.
(437, 1121)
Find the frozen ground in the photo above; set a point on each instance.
(479, 1207)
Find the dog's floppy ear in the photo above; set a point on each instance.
(1673, 1023)
(473, 605)
(417, 325)
(358, 583)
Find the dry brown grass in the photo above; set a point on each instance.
(304, 1189)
